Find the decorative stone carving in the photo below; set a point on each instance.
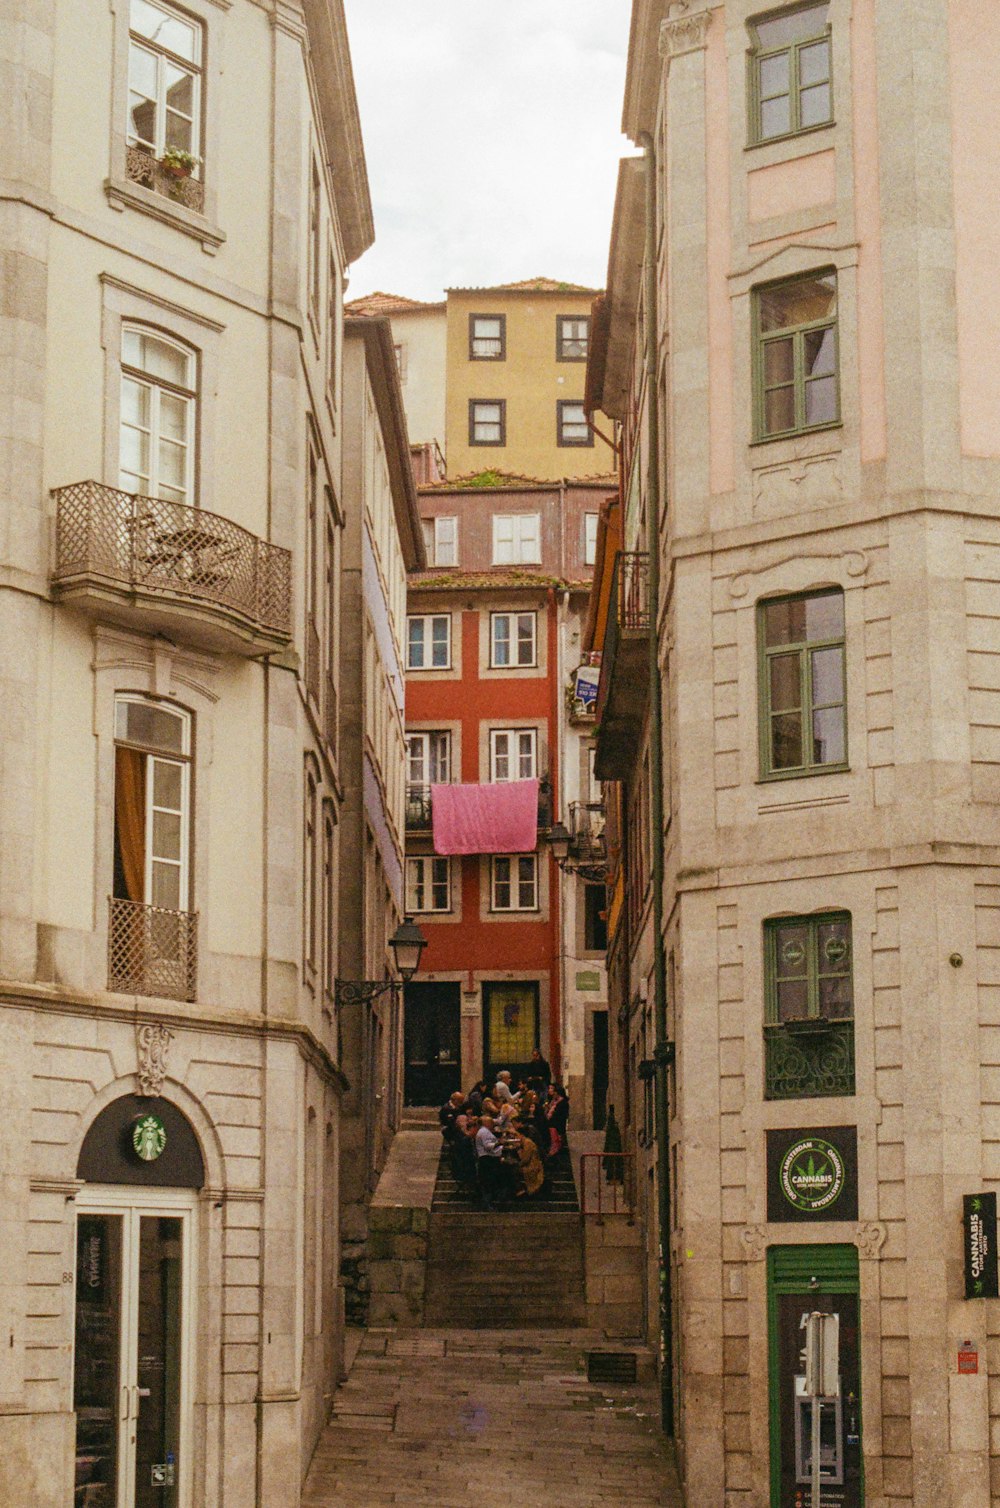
(855, 563)
(870, 1239)
(151, 1044)
(684, 30)
(754, 1242)
(805, 482)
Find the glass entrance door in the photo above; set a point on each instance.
(131, 1365)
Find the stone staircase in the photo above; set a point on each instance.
(492, 1270)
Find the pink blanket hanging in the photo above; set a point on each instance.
(501, 818)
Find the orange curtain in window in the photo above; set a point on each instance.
(130, 820)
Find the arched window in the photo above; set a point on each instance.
(158, 404)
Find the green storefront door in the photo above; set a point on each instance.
(802, 1279)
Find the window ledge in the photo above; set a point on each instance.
(778, 775)
(785, 144)
(122, 194)
(793, 437)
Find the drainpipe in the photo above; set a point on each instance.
(664, 1049)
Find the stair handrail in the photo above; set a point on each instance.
(607, 1181)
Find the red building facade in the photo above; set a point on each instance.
(493, 625)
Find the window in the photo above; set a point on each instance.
(332, 324)
(164, 82)
(487, 421)
(571, 423)
(328, 910)
(590, 539)
(399, 353)
(156, 441)
(487, 337)
(315, 226)
(152, 795)
(803, 711)
(429, 642)
(309, 852)
(790, 73)
(428, 885)
(572, 337)
(796, 338)
(514, 882)
(517, 539)
(428, 758)
(809, 1006)
(512, 639)
(595, 925)
(513, 754)
(441, 540)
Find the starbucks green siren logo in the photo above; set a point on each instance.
(812, 1175)
(149, 1137)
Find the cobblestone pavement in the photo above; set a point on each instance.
(453, 1418)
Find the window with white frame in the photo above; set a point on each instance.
(512, 639)
(487, 421)
(428, 644)
(590, 539)
(514, 882)
(152, 803)
(440, 540)
(158, 403)
(517, 539)
(487, 337)
(428, 884)
(428, 758)
(571, 423)
(165, 83)
(513, 754)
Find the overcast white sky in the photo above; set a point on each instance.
(491, 133)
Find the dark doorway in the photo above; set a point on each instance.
(432, 1038)
(510, 1027)
(600, 1069)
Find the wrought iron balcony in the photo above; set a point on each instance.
(152, 951)
(166, 568)
(586, 832)
(143, 168)
(419, 812)
(621, 694)
(808, 1058)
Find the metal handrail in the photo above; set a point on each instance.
(606, 1182)
(628, 612)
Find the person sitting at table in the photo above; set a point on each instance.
(491, 1171)
(449, 1110)
(502, 1091)
(529, 1166)
(462, 1152)
(475, 1096)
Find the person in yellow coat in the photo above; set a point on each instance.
(530, 1165)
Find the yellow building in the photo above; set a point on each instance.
(516, 362)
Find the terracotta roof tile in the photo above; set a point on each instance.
(388, 303)
(529, 285)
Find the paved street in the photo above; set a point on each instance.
(448, 1417)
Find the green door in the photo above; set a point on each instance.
(803, 1279)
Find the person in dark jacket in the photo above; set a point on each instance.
(538, 1068)
(475, 1097)
(557, 1116)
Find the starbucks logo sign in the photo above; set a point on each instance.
(812, 1175)
(149, 1137)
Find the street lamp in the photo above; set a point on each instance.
(407, 944)
(566, 850)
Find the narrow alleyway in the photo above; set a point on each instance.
(448, 1417)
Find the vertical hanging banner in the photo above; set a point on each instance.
(979, 1239)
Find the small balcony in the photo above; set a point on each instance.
(808, 1058)
(162, 567)
(586, 833)
(143, 168)
(420, 818)
(621, 695)
(152, 951)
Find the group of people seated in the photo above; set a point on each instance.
(501, 1141)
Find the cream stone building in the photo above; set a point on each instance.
(799, 345)
(183, 188)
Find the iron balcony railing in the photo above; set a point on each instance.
(808, 1058)
(122, 540)
(607, 1185)
(419, 809)
(152, 951)
(142, 167)
(586, 831)
(628, 613)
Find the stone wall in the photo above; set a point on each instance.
(397, 1265)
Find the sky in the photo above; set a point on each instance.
(492, 137)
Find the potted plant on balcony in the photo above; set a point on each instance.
(178, 164)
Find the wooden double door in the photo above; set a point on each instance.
(432, 1042)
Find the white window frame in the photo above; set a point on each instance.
(182, 761)
(478, 421)
(517, 538)
(155, 387)
(428, 620)
(423, 740)
(512, 639)
(515, 873)
(445, 525)
(423, 877)
(511, 745)
(590, 521)
(164, 57)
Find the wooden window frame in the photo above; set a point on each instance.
(164, 55)
(562, 405)
(446, 518)
(425, 735)
(805, 649)
(427, 863)
(809, 1056)
(797, 334)
(514, 883)
(587, 541)
(155, 386)
(561, 338)
(512, 616)
(813, 973)
(756, 54)
(475, 355)
(517, 539)
(427, 618)
(501, 404)
(515, 733)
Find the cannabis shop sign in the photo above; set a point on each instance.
(812, 1174)
(979, 1240)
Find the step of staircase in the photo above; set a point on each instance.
(420, 1118)
(504, 1270)
(559, 1196)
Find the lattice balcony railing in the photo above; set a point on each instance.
(418, 808)
(586, 831)
(169, 550)
(142, 167)
(152, 951)
(803, 1060)
(628, 613)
